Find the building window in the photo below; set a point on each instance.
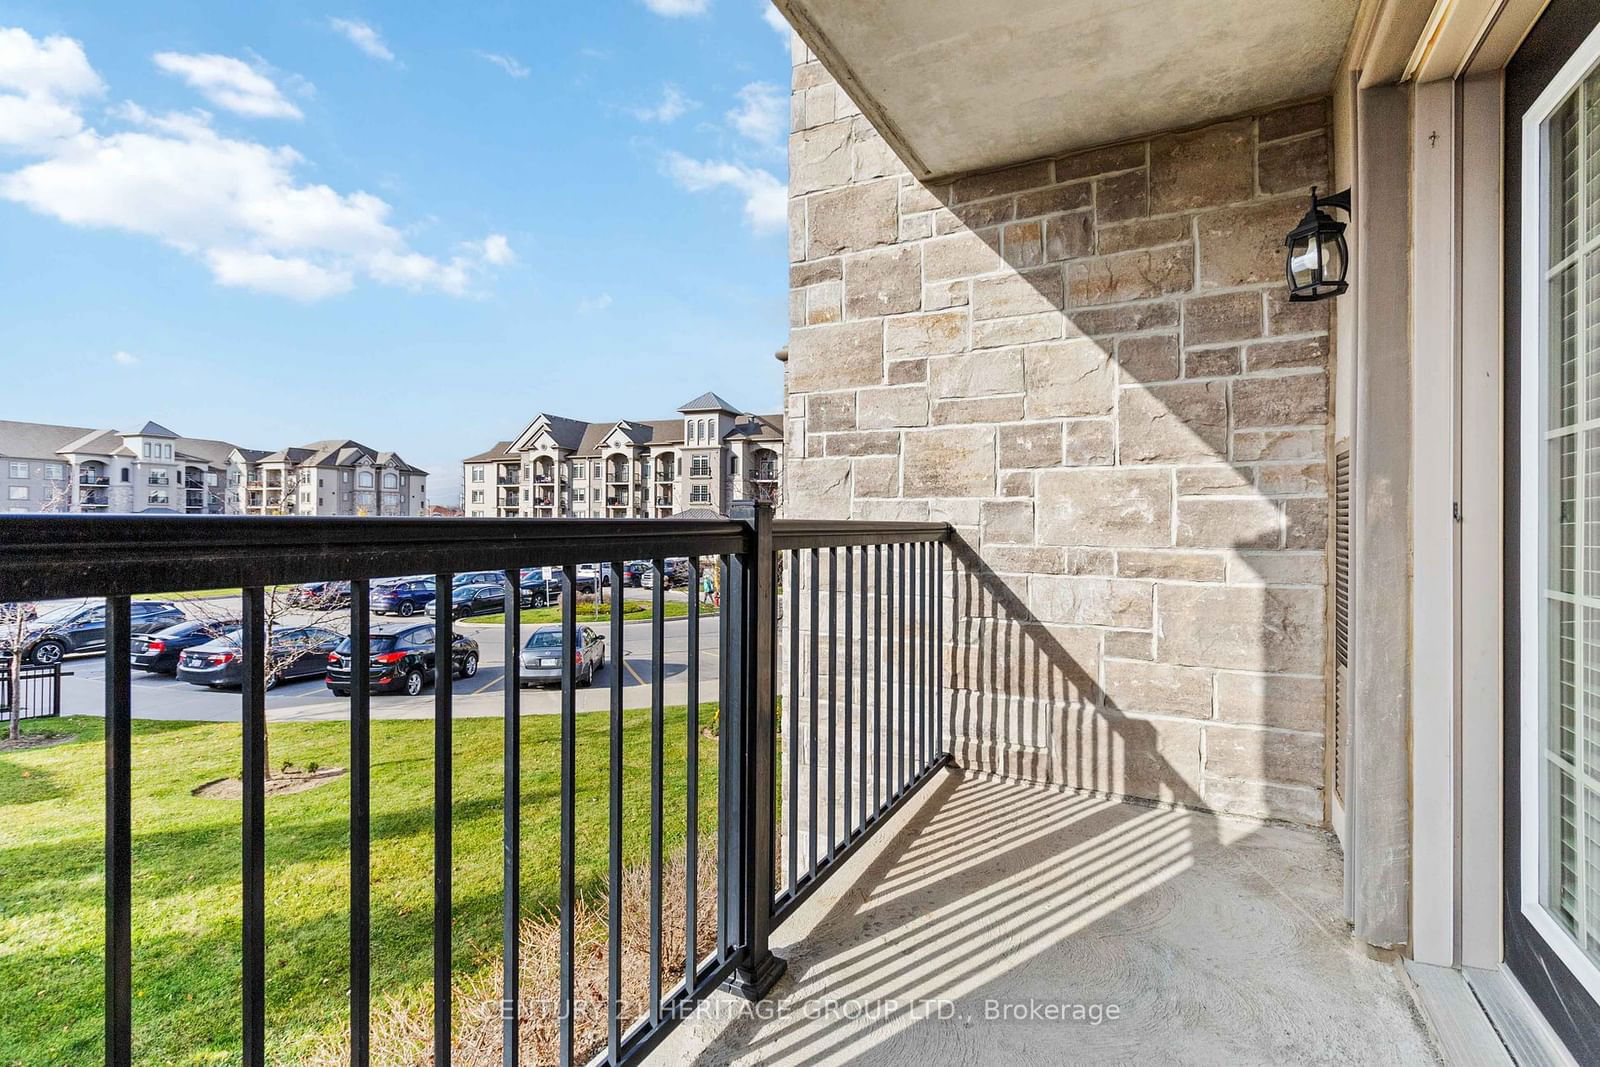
(211, 478)
(700, 494)
(125, 474)
(160, 478)
(54, 471)
(477, 496)
(346, 477)
(390, 481)
(364, 480)
(18, 492)
(578, 494)
(596, 473)
(700, 467)
(147, 450)
(733, 465)
(158, 496)
(19, 470)
(477, 474)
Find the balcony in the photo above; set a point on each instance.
(764, 473)
(507, 480)
(93, 480)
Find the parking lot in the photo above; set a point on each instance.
(164, 697)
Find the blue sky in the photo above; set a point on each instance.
(414, 225)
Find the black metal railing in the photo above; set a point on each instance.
(881, 717)
(36, 694)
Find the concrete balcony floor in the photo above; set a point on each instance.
(1217, 940)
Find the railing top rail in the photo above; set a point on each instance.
(831, 533)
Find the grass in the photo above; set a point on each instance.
(186, 863)
(632, 611)
(189, 594)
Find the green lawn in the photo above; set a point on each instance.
(632, 610)
(187, 884)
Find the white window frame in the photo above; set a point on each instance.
(15, 465)
(1534, 536)
(17, 492)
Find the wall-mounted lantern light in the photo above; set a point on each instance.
(1318, 256)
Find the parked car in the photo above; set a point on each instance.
(403, 598)
(541, 656)
(478, 600)
(320, 596)
(494, 578)
(677, 574)
(299, 651)
(539, 591)
(159, 652)
(69, 630)
(402, 659)
(631, 573)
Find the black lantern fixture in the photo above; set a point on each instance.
(1318, 256)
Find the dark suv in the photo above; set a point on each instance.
(404, 599)
(158, 652)
(65, 631)
(401, 659)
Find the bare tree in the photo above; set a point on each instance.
(16, 618)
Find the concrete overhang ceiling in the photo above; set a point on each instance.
(964, 85)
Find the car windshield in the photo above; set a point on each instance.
(207, 629)
(465, 592)
(59, 614)
(545, 639)
(380, 643)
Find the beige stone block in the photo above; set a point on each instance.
(999, 182)
(1101, 562)
(1278, 568)
(1068, 378)
(797, 229)
(808, 72)
(1286, 401)
(976, 374)
(1221, 362)
(1292, 120)
(1305, 523)
(797, 307)
(877, 476)
(1090, 601)
(813, 271)
(1126, 276)
(1158, 688)
(1244, 245)
(1281, 355)
(961, 255)
(1120, 197)
(942, 295)
(906, 371)
(1024, 559)
(1148, 357)
(1100, 161)
(1201, 168)
(819, 104)
(1222, 317)
(957, 512)
(929, 334)
(915, 227)
(1185, 423)
(833, 357)
(1144, 233)
(1120, 507)
(819, 158)
(1175, 566)
(883, 282)
(984, 409)
(1228, 522)
(1007, 522)
(831, 412)
(1022, 244)
(863, 443)
(976, 216)
(1214, 479)
(871, 157)
(1265, 800)
(1130, 644)
(1069, 236)
(1263, 755)
(1017, 483)
(1134, 318)
(822, 303)
(889, 408)
(1293, 166)
(870, 510)
(1030, 444)
(854, 218)
(1022, 293)
(1292, 479)
(1240, 627)
(816, 488)
(949, 462)
(1021, 330)
(1056, 199)
(1088, 443)
(1157, 759)
(1288, 316)
(1277, 700)
(1251, 445)
(916, 197)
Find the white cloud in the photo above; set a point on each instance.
(675, 8)
(774, 18)
(672, 106)
(229, 83)
(594, 303)
(509, 64)
(124, 359)
(236, 205)
(41, 83)
(363, 37)
(762, 114)
(766, 199)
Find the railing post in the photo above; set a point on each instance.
(751, 716)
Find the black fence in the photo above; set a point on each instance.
(856, 646)
(35, 694)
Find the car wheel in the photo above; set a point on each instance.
(413, 683)
(47, 653)
(407, 609)
(470, 666)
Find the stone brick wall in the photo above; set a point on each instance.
(1090, 367)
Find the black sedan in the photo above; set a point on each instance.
(65, 631)
(480, 600)
(401, 659)
(159, 652)
(292, 652)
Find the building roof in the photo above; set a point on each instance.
(336, 453)
(37, 440)
(501, 450)
(708, 402)
(112, 443)
(584, 440)
(151, 429)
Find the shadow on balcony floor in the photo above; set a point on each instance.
(988, 903)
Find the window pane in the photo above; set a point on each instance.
(1563, 348)
(1564, 180)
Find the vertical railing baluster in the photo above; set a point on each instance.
(891, 789)
(360, 823)
(444, 646)
(867, 671)
(849, 685)
(812, 672)
(792, 812)
(938, 687)
(614, 829)
(119, 830)
(901, 752)
(725, 774)
(692, 775)
(879, 676)
(253, 780)
(569, 808)
(657, 746)
(922, 657)
(928, 607)
(833, 673)
(914, 660)
(511, 841)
